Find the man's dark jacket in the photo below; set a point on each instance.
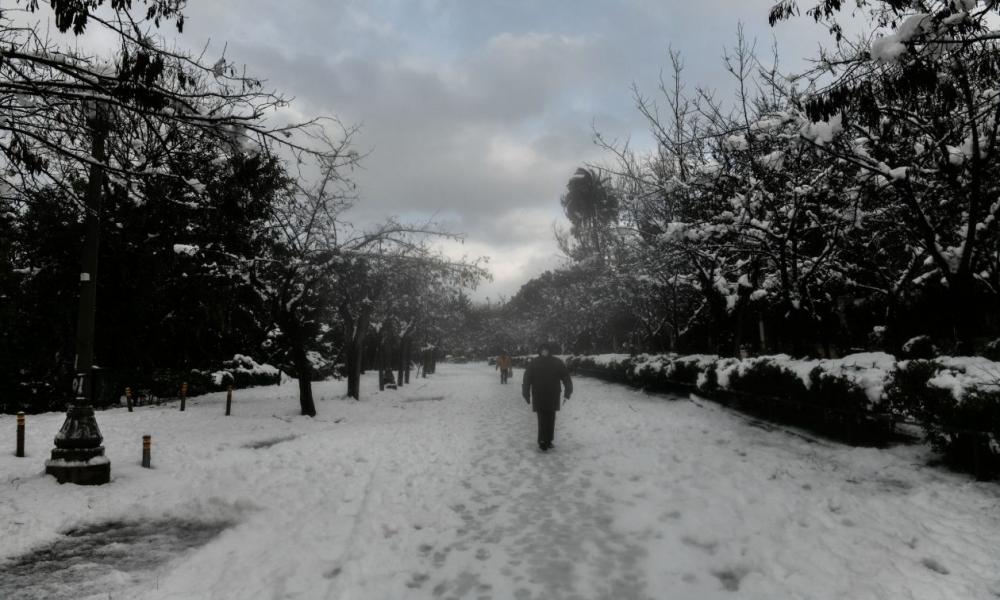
(541, 382)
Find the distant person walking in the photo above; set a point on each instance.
(541, 389)
(505, 366)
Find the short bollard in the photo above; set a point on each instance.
(20, 435)
(147, 441)
(184, 393)
(128, 398)
(229, 399)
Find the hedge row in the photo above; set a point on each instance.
(240, 372)
(859, 398)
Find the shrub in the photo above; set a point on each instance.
(247, 372)
(648, 371)
(765, 377)
(908, 392)
(919, 347)
(688, 369)
(708, 380)
(837, 392)
(967, 431)
(613, 367)
(992, 350)
(978, 411)
(963, 423)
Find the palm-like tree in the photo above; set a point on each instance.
(592, 210)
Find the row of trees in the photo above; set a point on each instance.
(220, 227)
(853, 205)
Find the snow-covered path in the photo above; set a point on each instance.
(438, 491)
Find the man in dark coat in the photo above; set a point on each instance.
(540, 388)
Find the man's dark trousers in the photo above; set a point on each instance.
(546, 426)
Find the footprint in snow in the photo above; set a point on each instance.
(439, 558)
(482, 554)
(330, 574)
(731, 578)
(935, 565)
(417, 580)
(704, 545)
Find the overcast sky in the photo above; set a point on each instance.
(479, 111)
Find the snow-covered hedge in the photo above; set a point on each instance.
(241, 371)
(956, 399)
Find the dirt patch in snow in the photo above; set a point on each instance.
(102, 558)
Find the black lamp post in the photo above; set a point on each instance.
(79, 456)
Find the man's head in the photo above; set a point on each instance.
(547, 348)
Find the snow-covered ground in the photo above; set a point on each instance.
(438, 491)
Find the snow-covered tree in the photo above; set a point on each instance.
(920, 112)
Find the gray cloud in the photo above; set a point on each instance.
(479, 112)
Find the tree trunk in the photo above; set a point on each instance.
(400, 375)
(966, 313)
(355, 355)
(303, 368)
(763, 335)
(354, 368)
(407, 360)
(380, 357)
(738, 330)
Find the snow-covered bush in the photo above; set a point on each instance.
(822, 394)
(322, 368)
(606, 366)
(246, 372)
(957, 401)
(650, 371)
(708, 379)
(241, 371)
(688, 369)
(907, 390)
(992, 350)
(765, 376)
(837, 391)
(920, 346)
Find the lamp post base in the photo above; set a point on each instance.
(96, 471)
(79, 456)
